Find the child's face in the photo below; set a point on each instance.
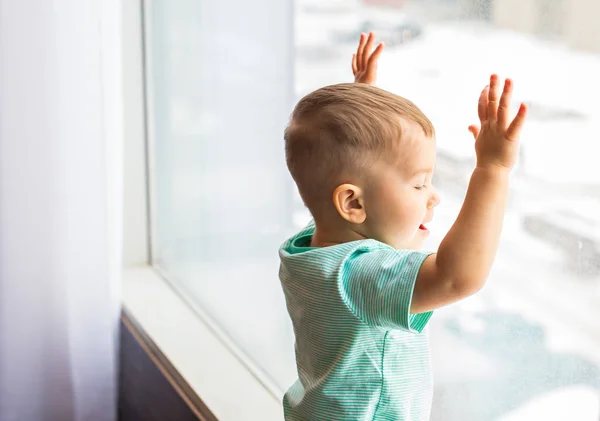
(400, 199)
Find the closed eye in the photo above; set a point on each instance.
(423, 186)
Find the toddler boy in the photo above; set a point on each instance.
(359, 290)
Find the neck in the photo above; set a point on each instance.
(324, 238)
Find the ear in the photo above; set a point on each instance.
(348, 200)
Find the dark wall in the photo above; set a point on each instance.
(150, 388)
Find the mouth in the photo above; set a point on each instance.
(423, 228)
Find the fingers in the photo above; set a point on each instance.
(373, 59)
(514, 130)
(492, 112)
(367, 50)
(504, 106)
(474, 129)
(482, 108)
(365, 60)
(359, 51)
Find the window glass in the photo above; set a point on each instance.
(222, 80)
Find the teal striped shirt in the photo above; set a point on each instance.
(360, 354)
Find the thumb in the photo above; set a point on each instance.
(474, 129)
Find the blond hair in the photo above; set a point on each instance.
(339, 130)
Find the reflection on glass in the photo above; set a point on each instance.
(223, 79)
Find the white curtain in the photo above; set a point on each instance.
(60, 209)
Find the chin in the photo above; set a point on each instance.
(417, 244)
(404, 245)
(414, 243)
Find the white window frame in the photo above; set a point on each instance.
(216, 370)
(226, 380)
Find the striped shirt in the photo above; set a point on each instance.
(360, 354)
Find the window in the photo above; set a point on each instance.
(222, 78)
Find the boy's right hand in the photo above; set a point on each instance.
(497, 139)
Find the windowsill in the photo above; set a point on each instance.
(212, 370)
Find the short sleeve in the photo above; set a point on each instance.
(378, 286)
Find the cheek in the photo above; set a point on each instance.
(406, 212)
(383, 201)
(396, 206)
(413, 211)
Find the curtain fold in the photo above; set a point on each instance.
(60, 209)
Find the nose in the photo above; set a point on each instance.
(434, 200)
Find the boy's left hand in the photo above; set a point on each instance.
(364, 62)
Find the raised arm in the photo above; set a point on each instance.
(462, 264)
